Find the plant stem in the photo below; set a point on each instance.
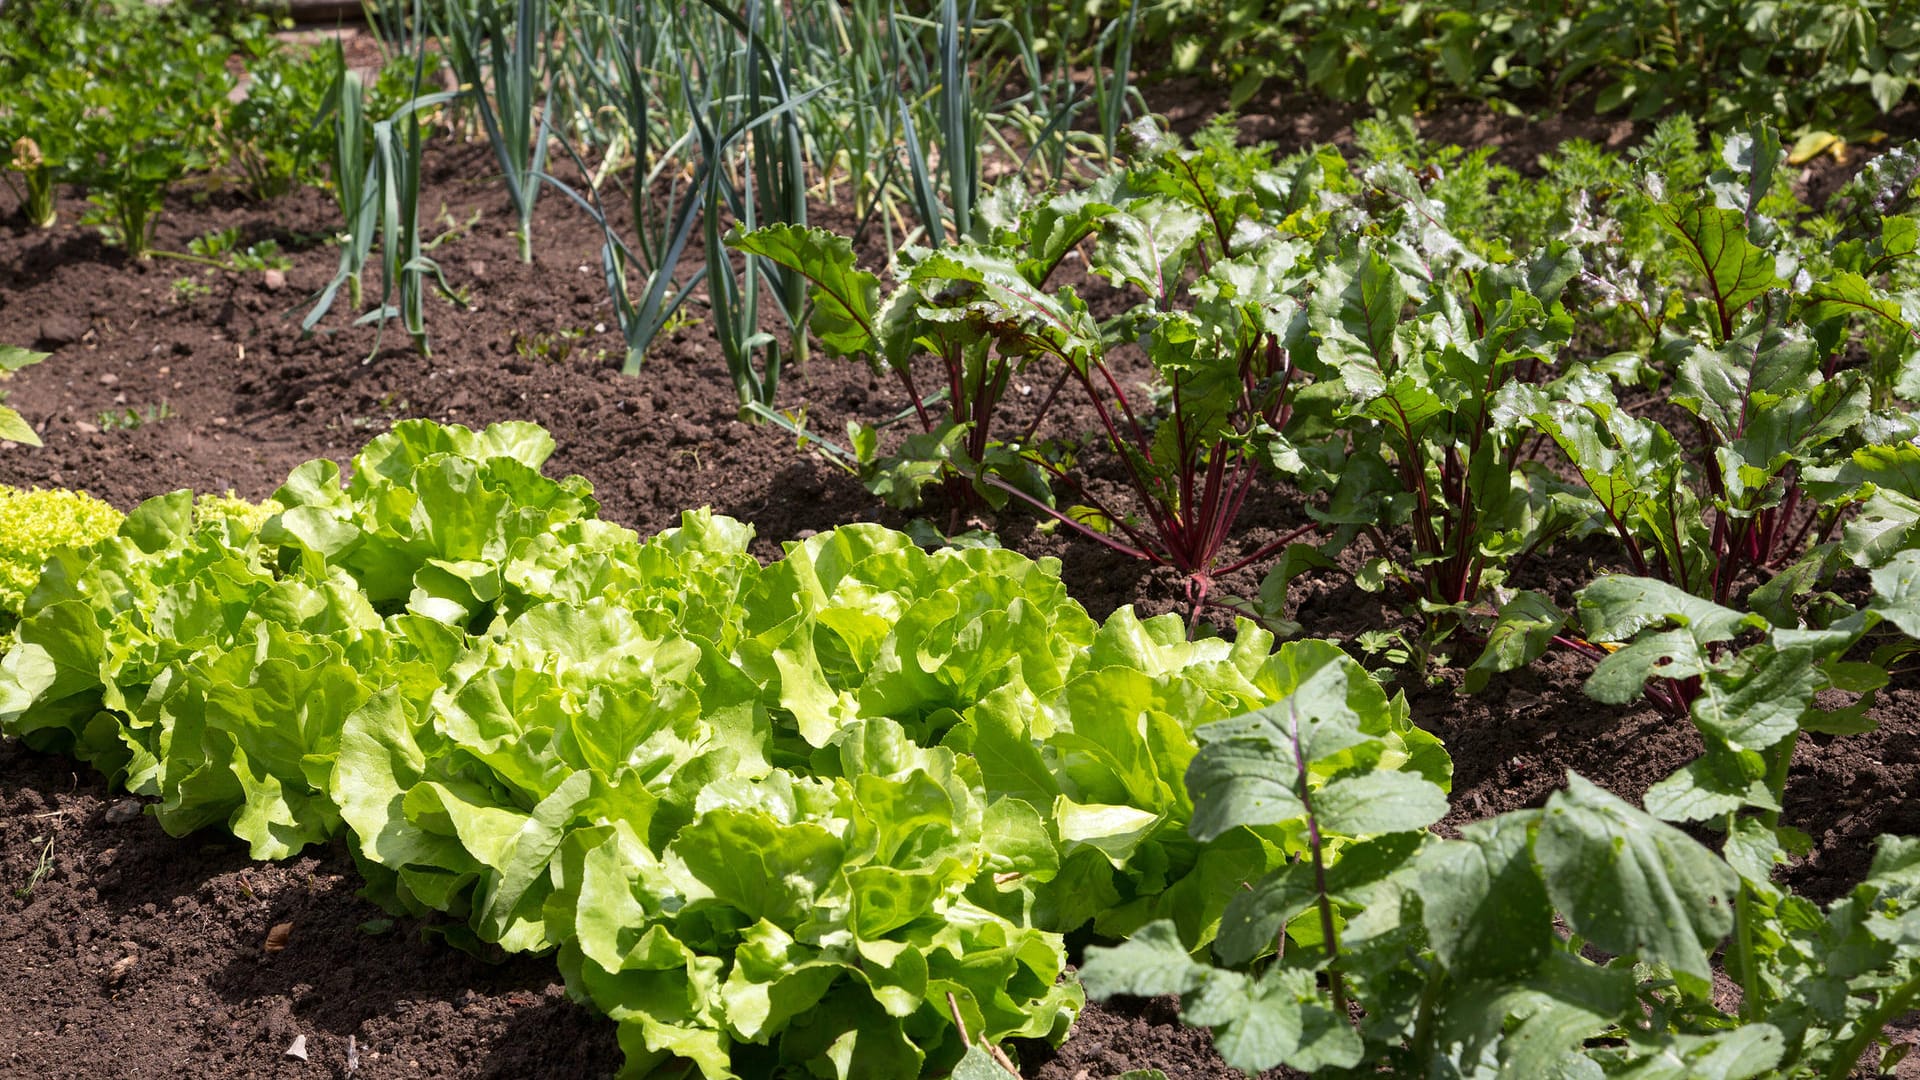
(39, 202)
(189, 258)
(1779, 760)
(1747, 972)
(1423, 1021)
(1325, 902)
(1868, 1028)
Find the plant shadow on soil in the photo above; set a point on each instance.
(252, 398)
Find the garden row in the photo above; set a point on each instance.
(843, 807)
(846, 808)
(684, 120)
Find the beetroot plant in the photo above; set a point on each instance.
(1765, 368)
(1187, 235)
(1430, 366)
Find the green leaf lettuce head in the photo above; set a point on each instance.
(35, 522)
(210, 656)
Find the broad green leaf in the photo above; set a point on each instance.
(981, 293)
(1011, 763)
(1618, 606)
(751, 862)
(1151, 963)
(775, 979)
(1254, 917)
(1887, 523)
(1131, 739)
(1483, 903)
(1710, 787)
(1146, 244)
(846, 299)
(1380, 802)
(1281, 1018)
(1764, 704)
(14, 428)
(1114, 831)
(1406, 406)
(1368, 310)
(1198, 903)
(1520, 635)
(607, 913)
(1633, 885)
(13, 358)
(1059, 223)
(505, 901)
(1846, 293)
(1747, 1051)
(1753, 850)
(1252, 768)
(1896, 591)
(1535, 1025)
(853, 1040)
(1714, 242)
(1731, 386)
(1017, 843)
(977, 1064)
(380, 761)
(1670, 654)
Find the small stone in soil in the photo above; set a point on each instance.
(298, 1049)
(124, 810)
(58, 330)
(120, 969)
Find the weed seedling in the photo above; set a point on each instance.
(552, 347)
(41, 869)
(186, 290)
(129, 419)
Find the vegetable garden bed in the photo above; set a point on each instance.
(250, 399)
(134, 953)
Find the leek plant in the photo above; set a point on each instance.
(582, 100)
(960, 120)
(945, 117)
(954, 122)
(384, 201)
(397, 25)
(853, 130)
(779, 160)
(1113, 94)
(641, 277)
(346, 108)
(744, 113)
(505, 69)
(395, 181)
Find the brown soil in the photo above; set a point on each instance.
(133, 954)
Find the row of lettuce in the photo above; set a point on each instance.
(839, 809)
(821, 810)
